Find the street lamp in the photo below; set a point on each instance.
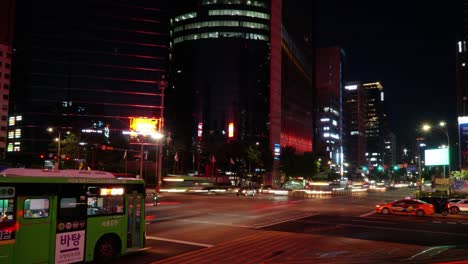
(59, 140)
(158, 136)
(442, 127)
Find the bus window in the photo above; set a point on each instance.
(6, 210)
(105, 205)
(71, 208)
(36, 208)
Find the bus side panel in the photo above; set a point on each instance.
(99, 226)
(6, 251)
(36, 230)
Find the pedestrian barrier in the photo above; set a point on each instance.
(324, 194)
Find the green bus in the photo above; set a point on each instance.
(69, 216)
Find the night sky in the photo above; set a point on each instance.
(409, 46)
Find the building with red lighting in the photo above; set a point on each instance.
(85, 67)
(237, 76)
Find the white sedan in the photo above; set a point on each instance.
(460, 206)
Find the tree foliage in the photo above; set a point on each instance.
(459, 175)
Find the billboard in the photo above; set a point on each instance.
(436, 157)
(463, 135)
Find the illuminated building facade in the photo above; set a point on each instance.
(375, 125)
(329, 121)
(94, 65)
(236, 75)
(355, 119)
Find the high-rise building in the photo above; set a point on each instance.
(390, 157)
(354, 120)
(86, 67)
(5, 77)
(236, 76)
(329, 90)
(7, 16)
(375, 125)
(462, 67)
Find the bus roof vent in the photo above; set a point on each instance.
(22, 172)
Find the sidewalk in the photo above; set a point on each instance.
(273, 247)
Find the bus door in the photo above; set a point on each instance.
(135, 215)
(70, 228)
(7, 223)
(34, 236)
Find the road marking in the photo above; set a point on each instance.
(212, 223)
(234, 215)
(429, 251)
(367, 214)
(284, 220)
(179, 241)
(452, 223)
(378, 222)
(464, 223)
(438, 222)
(404, 229)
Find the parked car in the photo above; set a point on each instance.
(406, 207)
(440, 203)
(460, 206)
(246, 191)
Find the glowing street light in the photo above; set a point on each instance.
(59, 140)
(442, 127)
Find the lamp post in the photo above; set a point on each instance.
(158, 136)
(442, 127)
(59, 140)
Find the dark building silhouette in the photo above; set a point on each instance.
(462, 67)
(85, 66)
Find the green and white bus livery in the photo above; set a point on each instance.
(69, 216)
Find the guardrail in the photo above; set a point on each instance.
(324, 194)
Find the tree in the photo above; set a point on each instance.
(254, 157)
(288, 161)
(459, 175)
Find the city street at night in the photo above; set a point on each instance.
(200, 228)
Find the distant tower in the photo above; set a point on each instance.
(355, 119)
(375, 126)
(329, 89)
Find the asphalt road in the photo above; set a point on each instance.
(201, 228)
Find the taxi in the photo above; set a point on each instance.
(407, 206)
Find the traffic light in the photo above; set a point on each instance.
(395, 168)
(364, 168)
(380, 168)
(41, 156)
